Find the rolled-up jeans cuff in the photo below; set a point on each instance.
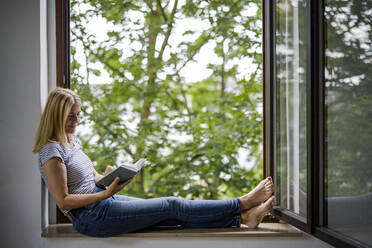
(237, 221)
(237, 217)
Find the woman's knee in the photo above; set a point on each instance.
(173, 202)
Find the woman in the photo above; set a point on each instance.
(71, 180)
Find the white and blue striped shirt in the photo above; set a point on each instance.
(79, 167)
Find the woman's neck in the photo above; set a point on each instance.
(69, 138)
(69, 144)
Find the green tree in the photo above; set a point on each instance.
(191, 132)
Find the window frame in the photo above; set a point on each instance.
(269, 52)
(315, 222)
(62, 12)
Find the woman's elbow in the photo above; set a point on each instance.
(63, 208)
(64, 205)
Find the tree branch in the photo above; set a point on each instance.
(186, 105)
(149, 4)
(114, 135)
(162, 11)
(170, 26)
(223, 81)
(102, 60)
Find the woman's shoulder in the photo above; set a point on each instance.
(51, 146)
(52, 149)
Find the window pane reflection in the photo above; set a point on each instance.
(291, 105)
(348, 106)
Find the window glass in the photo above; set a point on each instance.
(348, 106)
(291, 107)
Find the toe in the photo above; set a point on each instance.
(272, 200)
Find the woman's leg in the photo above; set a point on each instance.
(118, 217)
(126, 198)
(173, 222)
(122, 214)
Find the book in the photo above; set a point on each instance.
(124, 172)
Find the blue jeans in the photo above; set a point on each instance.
(122, 214)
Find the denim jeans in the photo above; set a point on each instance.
(122, 214)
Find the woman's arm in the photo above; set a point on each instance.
(55, 174)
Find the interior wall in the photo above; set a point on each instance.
(22, 83)
(20, 218)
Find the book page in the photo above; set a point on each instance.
(140, 163)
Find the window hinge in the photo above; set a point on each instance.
(64, 81)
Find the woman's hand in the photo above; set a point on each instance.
(115, 187)
(109, 168)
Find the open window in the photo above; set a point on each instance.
(317, 116)
(215, 120)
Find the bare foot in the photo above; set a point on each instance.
(253, 217)
(258, 195)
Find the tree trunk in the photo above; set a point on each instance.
(223, 76)
(154, 16)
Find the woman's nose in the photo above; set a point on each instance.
(74, 118)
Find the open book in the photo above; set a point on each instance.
(124, 171)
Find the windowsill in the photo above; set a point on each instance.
(263, 230)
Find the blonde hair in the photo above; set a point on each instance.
(52, 122)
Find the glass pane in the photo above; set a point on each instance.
(348, 105)
(291, 106)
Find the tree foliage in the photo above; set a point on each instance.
(191, 132)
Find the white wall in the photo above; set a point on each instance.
(19, 112)
(20, 217)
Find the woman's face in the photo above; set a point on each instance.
(72, 119)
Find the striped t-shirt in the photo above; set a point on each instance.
(79, 167)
